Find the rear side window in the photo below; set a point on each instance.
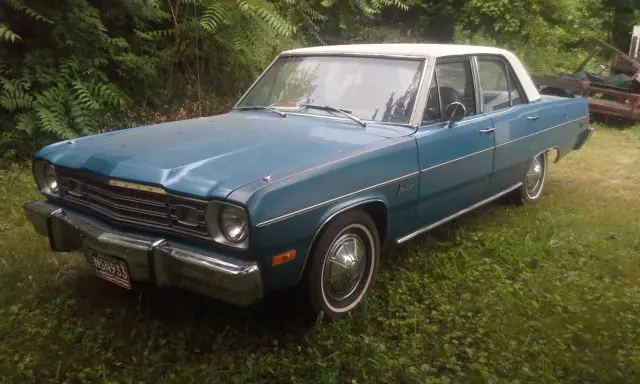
(494, 83)
(498, 84)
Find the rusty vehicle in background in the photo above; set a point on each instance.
(615, 95)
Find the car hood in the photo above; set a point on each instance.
(212, 156)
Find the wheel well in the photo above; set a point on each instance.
(553, 154)
(377, 210)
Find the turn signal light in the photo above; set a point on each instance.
(283, 258)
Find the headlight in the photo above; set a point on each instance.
(46, 178)
(50, 179)
(233, 223)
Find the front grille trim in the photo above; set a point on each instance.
(123, 198)
(130, 206)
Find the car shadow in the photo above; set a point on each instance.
(178, 310)
(277, 316)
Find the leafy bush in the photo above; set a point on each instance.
(65, 70)
(74, 67)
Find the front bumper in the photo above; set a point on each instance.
(152, 259)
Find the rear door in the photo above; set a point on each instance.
(456, 161)
(512, 118)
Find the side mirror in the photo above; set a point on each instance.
(455, 112)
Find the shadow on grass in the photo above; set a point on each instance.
(180, 310)
(80, 316)
(205, 321)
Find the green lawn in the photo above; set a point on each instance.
(545, 293)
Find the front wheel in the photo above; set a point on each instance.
(344, 264)
(533, 182)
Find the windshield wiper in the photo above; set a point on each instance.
(334, 109)
(262, 108)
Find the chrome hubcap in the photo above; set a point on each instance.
(535, 177)
(344, 266)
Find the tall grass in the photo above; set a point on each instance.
(547, 293)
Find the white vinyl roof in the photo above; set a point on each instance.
(422, 50)
(427, 51)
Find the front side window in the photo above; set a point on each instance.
(452, 82)
(370, 88)
(455, 84)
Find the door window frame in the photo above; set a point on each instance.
(510, 75)
(453, 59)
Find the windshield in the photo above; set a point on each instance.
(370, 88)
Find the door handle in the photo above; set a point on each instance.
(487, 130)
(534, 117)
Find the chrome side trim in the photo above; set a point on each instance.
(460, 213)
(456, 159)
(318, 205)
(328, 220)
(499, 145)
(468, 119)
(539, 132)
(326, 202)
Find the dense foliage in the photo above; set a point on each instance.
(74, 67)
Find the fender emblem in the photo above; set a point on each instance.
(404, 186)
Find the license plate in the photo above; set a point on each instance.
(111, 269)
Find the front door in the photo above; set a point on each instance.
(456, 161)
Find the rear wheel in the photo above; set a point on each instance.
(533, 183)
(344, 265)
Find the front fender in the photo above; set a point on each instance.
(289, 213)
(299, 233)
(349, 204)
(334, 211)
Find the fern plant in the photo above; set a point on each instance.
(56, 88)
(83, 66)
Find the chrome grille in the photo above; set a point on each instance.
(123, 205)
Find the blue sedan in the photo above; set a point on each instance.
(333, 152)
